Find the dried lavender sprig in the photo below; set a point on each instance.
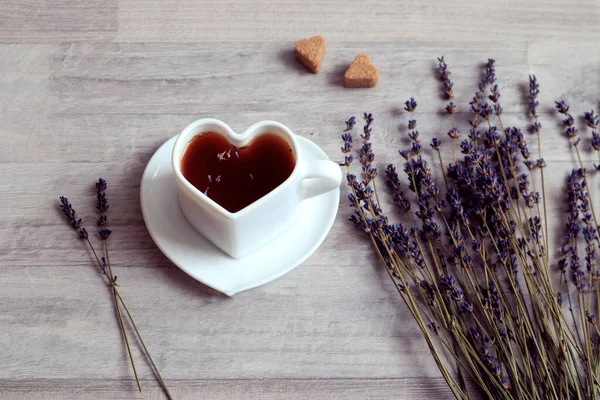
(347, 138)
(102, 207)
(534, 91)
(435, 144)
(569, 121)
(104, 233)
(490, 80)
(71, 215)
(479, 105)
(536, 126)
(571, 131)
(367, 157)
(490, 75)
(592, 120)
(445, 78)
(454, 133)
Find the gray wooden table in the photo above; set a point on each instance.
(93, 88)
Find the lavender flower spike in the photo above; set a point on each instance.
(562, 107)
(569, 122)
(592, 119)
(71, 216)
(410, 105)
(445, 78)
(101, 185)
(534, 90)
(104, 233)
(367, 156)
(350, 124)
(102, 207)
(347, 138)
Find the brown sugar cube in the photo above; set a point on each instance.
(361, 73)
(310, 52)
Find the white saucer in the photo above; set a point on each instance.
(200, 259)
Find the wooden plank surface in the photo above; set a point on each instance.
(53, 21)
(447, 21)
(289, 389)
(92, 89)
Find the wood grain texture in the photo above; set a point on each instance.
(92, 89)
(53, 21)
(249, 389)
(447, 21)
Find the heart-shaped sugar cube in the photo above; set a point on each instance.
(361, 73)
(311, 52)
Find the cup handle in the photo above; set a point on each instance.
(320, 177)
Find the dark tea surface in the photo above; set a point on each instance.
(237, 177)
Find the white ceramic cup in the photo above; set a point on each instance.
(242, 232)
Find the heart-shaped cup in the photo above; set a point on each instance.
(242, 232)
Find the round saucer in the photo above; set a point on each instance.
(202, 260)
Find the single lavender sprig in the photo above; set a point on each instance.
(476, 107)
(478, 104)
(536, 127)
(102, 207)
(445, 78)
(71, 215)
(534, 91)
(569, 121)
(490, 80)
(454, 133)
(490, 75)
(347, 138)
(367, 156)
(569, 247)
(104, 233)
(367, 159)
(495, 98)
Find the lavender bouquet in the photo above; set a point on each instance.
(470, 259)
